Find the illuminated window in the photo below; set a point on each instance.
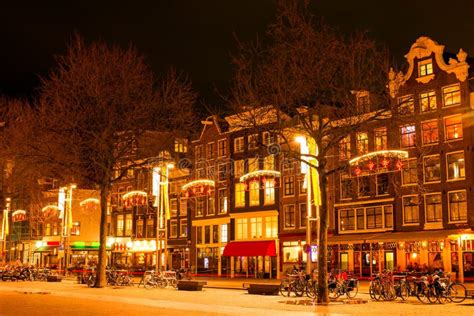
(128, 225)
(269, 197)
(457, 206)
(222, 201)
(453, 127)
(150, 227)
(409, 171)
(224, 233)
(388, 210)
(242, 228)
(183, 229)
(221, 147)
(408, 136)
(173, 228)
(345, 148)
(120, 225)
(289, 186)
(183, 207)
(406, 105)
(256, 227)
(380, 135)
(269, 162)
(428, 101)
(238, 144)
(76, 229)
(434, 208)
(302, 187)
(303, 215)
(452, 95)
(362, 142)
(253, 141)
(456, 168)
(252, 164)
(432, 168)
(291, 251)
(200, 205)
(211, 207)
(268, 138)
(410, 209)
(174, 207)
(239, 195)
(430, 132)
(254, 193)
(180, 146)
(289, 216)
(271, 226)
(140, 226)
(238, 168)
(425, 67)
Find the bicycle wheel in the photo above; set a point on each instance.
(422, 293)
(404, 291)
(432, 294)
(389, 293)
(456, 292)
(352, 291)
(311, 290)
(334, 292)
(173, 283)
(91, 281)
(375, 292)
(162, 283)
(299, 288)
(149, 284)
(285, 288)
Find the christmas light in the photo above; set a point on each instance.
(132, 193)
(90, 200)
(259, 173)
(195, 183)
(385, 153)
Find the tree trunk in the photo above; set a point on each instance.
(102, 264)
(323, 297)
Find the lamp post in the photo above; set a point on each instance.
(160, 191)
(65, 206)
(5, 229)
(306, 169)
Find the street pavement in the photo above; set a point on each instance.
(221, 297)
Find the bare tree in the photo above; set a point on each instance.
(311, 76)
(94, 109)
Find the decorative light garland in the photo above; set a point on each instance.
(49, 210)
(201, 182)
(258, 174)
(385, 153)
(132, 193)
(89, 200)
(19, 215)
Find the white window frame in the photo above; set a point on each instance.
(447, 166)
(449, 208)
(239, 145)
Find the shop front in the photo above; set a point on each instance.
(252, 259)
(46, 254)
(85, 253)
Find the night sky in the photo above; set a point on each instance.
(196, 36)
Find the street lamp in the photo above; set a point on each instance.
(306, 169)
(65, 207)
(5, 229)
(160, 191)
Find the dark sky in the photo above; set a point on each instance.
(196, 36)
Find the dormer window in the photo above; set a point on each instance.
(425, 67)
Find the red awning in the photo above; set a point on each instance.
(250, 248)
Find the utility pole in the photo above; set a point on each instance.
(5, 229)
